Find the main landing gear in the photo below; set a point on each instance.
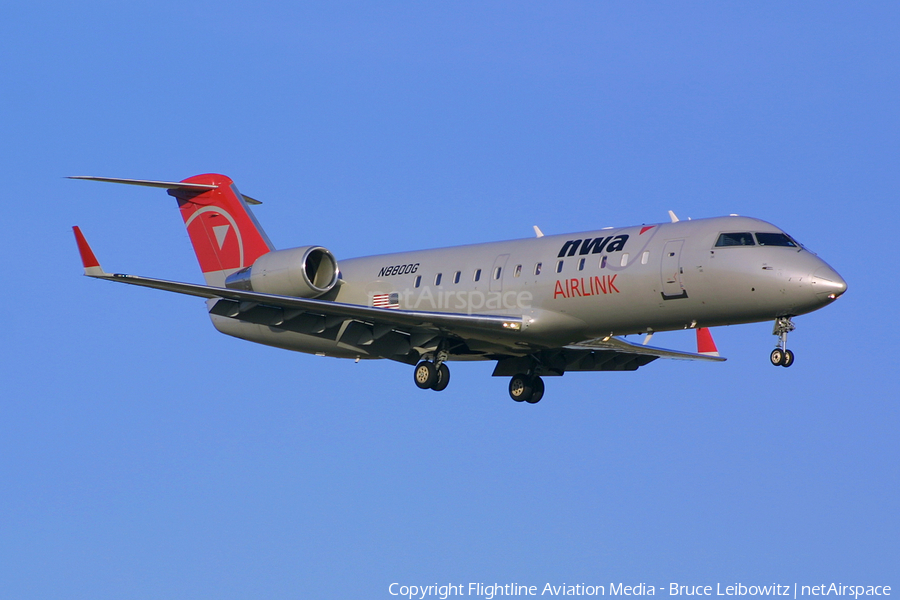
(428, 375)
(526, 388)
(433, 375)
(781, 356)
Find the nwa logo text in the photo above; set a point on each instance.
(593, 246)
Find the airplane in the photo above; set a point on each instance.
(538, 307)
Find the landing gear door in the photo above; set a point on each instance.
(671, 271)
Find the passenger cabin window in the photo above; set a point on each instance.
(518, 271)
(603, 262)
(581, 264)
(625, 259)
(559, 266)
(437, 279)
(537, 269)
(735, 239)
(775, 239)
(497, 272)
(477, 275)
(456, 276)
(418, 280)
(645, 257)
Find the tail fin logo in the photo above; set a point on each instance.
(207, 220)
(221, 231)
(210, 215)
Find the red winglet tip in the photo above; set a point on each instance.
(87, 255)
(705, 343)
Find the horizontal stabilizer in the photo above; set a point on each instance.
(167, 185)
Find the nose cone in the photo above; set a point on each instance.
(828, 283)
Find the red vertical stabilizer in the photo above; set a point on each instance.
(225, 234)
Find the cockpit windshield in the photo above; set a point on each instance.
(747, 238)
(775, 239)
(735, 239)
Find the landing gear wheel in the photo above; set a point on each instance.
(443, 378)
(788, 359)
(520, 388)
(538, 393)
(777, 357)
(781, 356)
(425, 375)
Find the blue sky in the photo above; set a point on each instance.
(144, 455)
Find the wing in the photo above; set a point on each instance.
(366, 324)
(621, 346)
(603, 354)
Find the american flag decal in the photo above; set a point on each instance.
(386, 300)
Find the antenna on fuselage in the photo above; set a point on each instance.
(537, 231)
(673, 217)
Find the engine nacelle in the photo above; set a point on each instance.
(305, 272)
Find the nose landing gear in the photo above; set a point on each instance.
(781, 356)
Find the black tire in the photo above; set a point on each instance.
(538, 393)
(777, 357)
(443, 378)
(788, 359)
(425, 375)
(520, 388)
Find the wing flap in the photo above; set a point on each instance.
(622, 346)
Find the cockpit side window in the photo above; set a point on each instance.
(775, 239)
(735, 239)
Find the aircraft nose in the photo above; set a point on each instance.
(828, 282)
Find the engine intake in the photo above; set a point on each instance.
(305, 272)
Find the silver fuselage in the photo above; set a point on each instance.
(584, 285)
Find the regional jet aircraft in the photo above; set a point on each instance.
(538, 307)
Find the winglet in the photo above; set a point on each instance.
(705, 343)
(92, 266)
